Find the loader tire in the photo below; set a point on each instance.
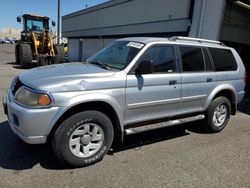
(25, 55)
(17, 54)
(60, 56)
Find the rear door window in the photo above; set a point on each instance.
(223, 59)
(192, 59)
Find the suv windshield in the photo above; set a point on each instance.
(116, 55)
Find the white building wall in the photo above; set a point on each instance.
(211, 19)
(123, 17)
(73, 49)
(89, 47)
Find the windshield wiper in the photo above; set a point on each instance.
(99, 64)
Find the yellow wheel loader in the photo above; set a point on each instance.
(36, 43)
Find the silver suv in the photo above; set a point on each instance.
(131, 85)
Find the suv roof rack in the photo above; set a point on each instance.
(195, 40)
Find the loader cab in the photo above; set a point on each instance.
(33, 23)
(36, 24)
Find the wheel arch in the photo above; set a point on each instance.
(226, 91)
(101, 106)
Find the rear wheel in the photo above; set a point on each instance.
(25, 55)
(60, 56)
(83, 139)
(218, 114)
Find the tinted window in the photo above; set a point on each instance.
(223, 59)
(163, 58)
(192, 59)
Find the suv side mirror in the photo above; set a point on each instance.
(145, 67)
(18, 19)
(53, 23)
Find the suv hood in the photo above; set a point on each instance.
(63, 77)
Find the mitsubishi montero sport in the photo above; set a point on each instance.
(131, 85)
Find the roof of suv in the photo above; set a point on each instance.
(177, 40)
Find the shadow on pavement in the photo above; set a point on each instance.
(17, 66)
(17, 155)
(11, 63)
(146, 138)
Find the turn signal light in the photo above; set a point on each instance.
(44, 100)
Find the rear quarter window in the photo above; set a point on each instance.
(223, 59)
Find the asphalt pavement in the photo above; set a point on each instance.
(180, 156)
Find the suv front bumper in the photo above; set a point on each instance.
(31, 125)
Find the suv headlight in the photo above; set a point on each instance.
(31, 98)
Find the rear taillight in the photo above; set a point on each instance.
(245, 77)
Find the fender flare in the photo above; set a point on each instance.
(219, 89)
(86, 98)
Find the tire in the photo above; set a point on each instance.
(60, 56)
(17, 54)
(83, 139)
(217, 115)
(25, 55)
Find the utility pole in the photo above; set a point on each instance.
(58, 24)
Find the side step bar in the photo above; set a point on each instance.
(135, 130)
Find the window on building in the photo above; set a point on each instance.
(223, 59)
(163, 58)
(192, 59)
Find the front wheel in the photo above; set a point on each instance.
(218, 114)
(83, 139)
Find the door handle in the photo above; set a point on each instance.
(209, 79)
(172, 82)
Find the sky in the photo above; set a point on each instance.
(10, 9)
